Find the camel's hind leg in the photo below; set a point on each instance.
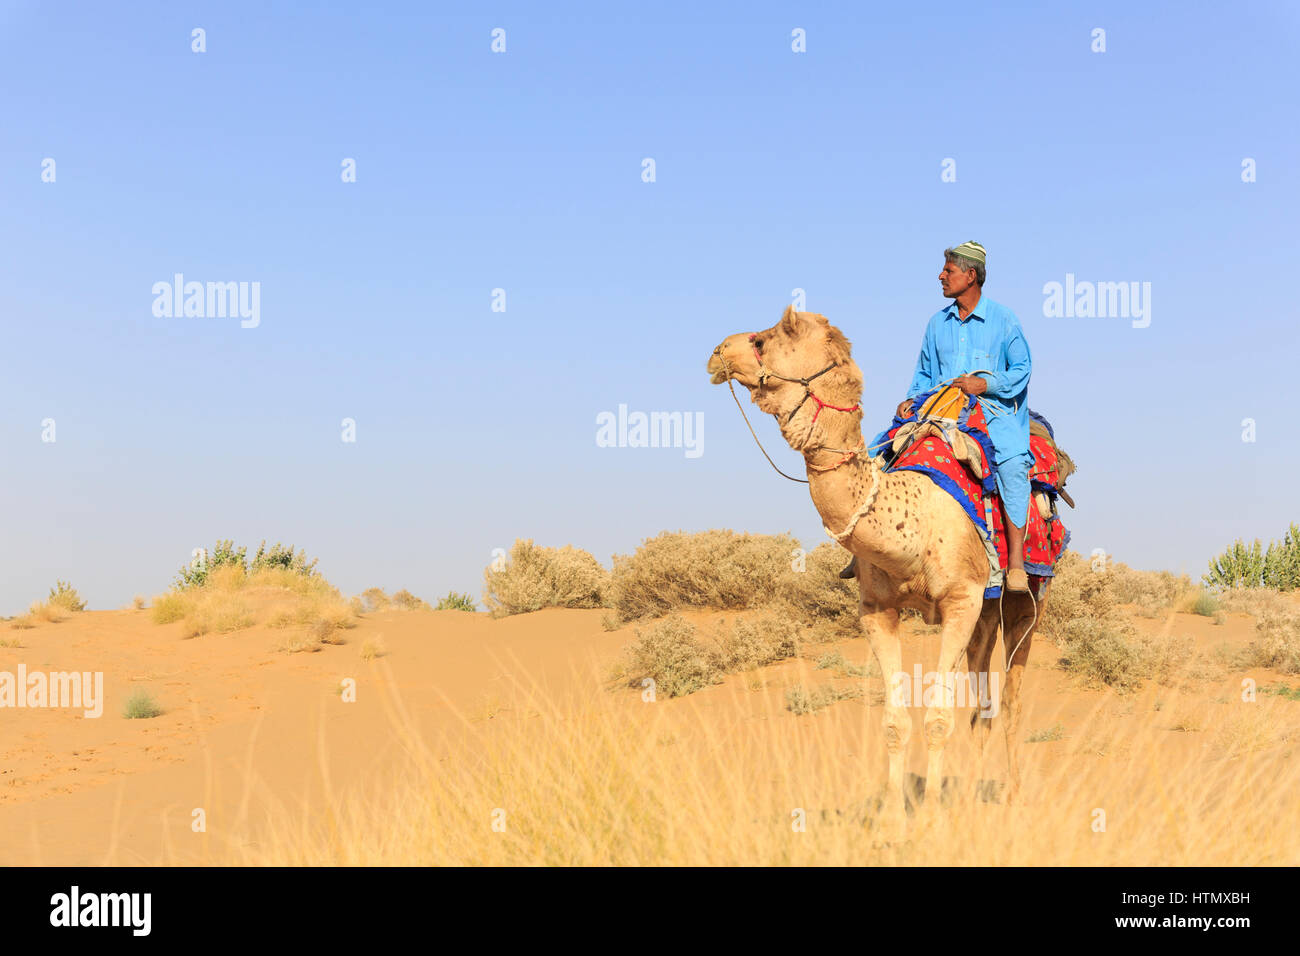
(881, 629)
(979, 657)
(1017, 637)
(960, 615)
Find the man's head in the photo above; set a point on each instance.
(963, 267)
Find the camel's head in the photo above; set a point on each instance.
(798, 347)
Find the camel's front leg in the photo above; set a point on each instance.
(979, 658)
(881, 629)
(960, 615)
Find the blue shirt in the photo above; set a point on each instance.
(991, 343)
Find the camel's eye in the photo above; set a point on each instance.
(758, 343)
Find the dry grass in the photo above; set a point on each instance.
(1278, 643)
(1098, 643)
(680, 660)
(537, 577)
(232, 599)
(606, 784)
(723, 570)
(799, 700)
(40, 612)
(409, 602)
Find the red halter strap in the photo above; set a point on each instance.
(763, 374)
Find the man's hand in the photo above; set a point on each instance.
(972, 384)
(904, 409)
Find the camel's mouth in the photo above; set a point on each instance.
(717, 369)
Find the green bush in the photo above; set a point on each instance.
(141, 705)
(456, 602)
(64, 595)
(1252, 566)
(224, 553)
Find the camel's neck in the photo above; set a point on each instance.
(837, 492)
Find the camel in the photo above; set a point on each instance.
(915, 545)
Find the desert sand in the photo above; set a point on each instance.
(474, 739)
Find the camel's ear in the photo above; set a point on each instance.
(818, 317)
(790, 320)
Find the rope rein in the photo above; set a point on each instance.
(863, 508)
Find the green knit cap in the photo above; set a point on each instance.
(970, 250)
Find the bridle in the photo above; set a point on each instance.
(764, 373)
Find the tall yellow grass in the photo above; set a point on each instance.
(233, 598)
(620, 782)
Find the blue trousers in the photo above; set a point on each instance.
(1013, 486)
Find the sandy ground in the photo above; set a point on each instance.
(248, 729)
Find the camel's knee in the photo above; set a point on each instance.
(938, 726)
(898, 729)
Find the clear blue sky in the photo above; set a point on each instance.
(522, 171)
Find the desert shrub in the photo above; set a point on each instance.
(1254, 601)
(373, 647)
(169, 607)
(1097, 644)
(456, 602)
(1077, 591)
(670, 653)
(680, 661)
(799, 700)
(225, 555)
(836, 661)
(535, 577)
(751, 644)
(1205, 604)
(1107, 650)
(1055, 732)
(1278, 643)
(64, 595)
(279, 556)
(138, 602)
(408, 601)
(233, 597)
(820, 598)
(724, 570)
(40, 612)
(374, 599)
(713, 569)
(141, 705)
(1152, 592)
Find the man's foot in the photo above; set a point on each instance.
(850, 569)
(1017, 580)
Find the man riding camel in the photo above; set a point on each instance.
(978, 345)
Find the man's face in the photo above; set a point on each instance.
(955, 280)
